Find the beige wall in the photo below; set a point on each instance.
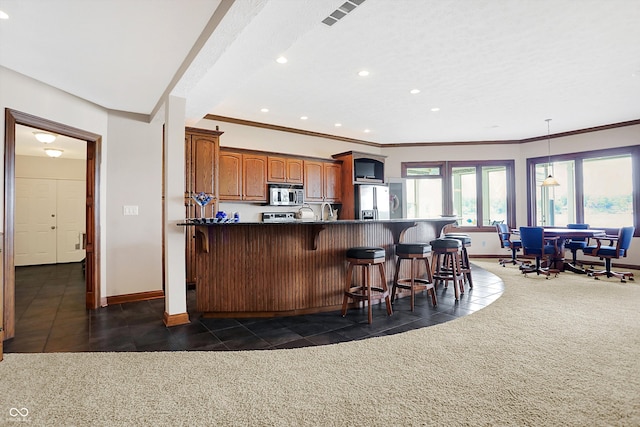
(134, 252)
(45, 167)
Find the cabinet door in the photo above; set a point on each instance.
(203, 151)
(201, 166)
(276, 169)
(254, 177)
(294, 171)
(230, 176)
(332, 182)
(313, 182)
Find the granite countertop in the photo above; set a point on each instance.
(314, 222)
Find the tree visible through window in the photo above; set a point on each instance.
(597, 188)
(478, 193)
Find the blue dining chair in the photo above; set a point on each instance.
(506, 242)
(576, 244)
(534, 244)
(617, 247)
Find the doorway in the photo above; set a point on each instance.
(92, 211)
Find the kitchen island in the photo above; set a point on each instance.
(279, 269)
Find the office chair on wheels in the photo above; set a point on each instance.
(617, 248)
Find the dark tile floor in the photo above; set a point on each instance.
(50, 317)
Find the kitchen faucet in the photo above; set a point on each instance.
(322, 211)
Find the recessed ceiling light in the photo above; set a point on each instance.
(363, 73)
(3, 15)
(303, 117)
(338, 125)
(434, 109)
(264, 110)
(367, 131)
(281, 60)
(414, 91)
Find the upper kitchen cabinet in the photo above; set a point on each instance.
(243, 176)
(332, 182)
(322, 181)
(254, 177)
(283, 169)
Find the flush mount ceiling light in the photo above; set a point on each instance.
(53, 152)
(44, 137)
(264, 110)
(281, 60)
(550, 181)
(414, 91)
(363, 73)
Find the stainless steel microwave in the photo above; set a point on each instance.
(286, 194)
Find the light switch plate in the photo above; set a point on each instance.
(129, 210)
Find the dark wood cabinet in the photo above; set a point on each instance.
(332, 182)
(254, 177)
(349, 179)
(201, 175)
(230, 177)
(243, 176)
(322, 181)
(283, 169)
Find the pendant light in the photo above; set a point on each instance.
(53, 152)
(44, 137)
(550, 181)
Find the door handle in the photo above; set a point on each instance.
(53, 227)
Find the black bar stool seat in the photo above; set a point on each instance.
(413, 252)
(367, 257)
(446, 263)
(465, 239)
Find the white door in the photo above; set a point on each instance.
(71, 202)
(35, 221)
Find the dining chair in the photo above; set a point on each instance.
(506, 242)
(576, 243)
(617, 247)
(534, 244)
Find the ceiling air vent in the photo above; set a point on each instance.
(342, 11)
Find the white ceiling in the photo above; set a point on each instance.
(495, 68)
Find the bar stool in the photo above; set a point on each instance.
(366, 256)
(446, 264)
(465, 239)
(414, 252)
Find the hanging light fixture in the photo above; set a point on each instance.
(44, 137)
(53, 152)
(550, 181)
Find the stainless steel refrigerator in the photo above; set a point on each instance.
(372, 201)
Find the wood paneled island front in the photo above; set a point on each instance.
(290, 268)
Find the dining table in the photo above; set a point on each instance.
(562, 235)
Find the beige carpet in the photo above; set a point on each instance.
(564, 351)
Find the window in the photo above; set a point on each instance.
(480, 194)
(598, 188)
(424, 191)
